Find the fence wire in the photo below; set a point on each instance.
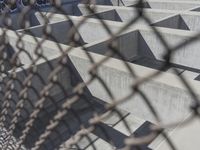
(47, 102)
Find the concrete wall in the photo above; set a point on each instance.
(29, 46)
(92, 30)
(192, 20)
(170, 99)
(166, 93)
(85, 31)
(127, 13)
(175, 22)
(149, 43)
(184, 137)
(184, 56)
(59, 31)
(127, 45)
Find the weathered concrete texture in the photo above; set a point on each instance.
(183, 56)
(60, 31)
(184, 137)
(115, 13)
(166, 98)
(125, 14)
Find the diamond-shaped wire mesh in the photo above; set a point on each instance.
(104, 74)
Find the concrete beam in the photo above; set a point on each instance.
(60, 30)
(183, 56)
(170, 99)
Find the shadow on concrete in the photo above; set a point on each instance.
(111, 15)
(182, 24)
(66, 9)
(195, 9)
(78, 115)
(111, 135)
(146, 57)
(59, 33)
(175, 22)
(197, 78)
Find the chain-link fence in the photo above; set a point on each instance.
(118, 74)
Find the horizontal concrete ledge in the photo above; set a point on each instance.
(179, 35)
(60, 30)
(124, 14)
(60, 17)
(140, 71)
(110, 11)
(183, 21)
(160, 18)
(146, 33)
(119, 81)
(150, 10)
